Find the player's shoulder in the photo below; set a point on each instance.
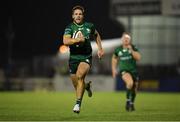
(119, 48)
(88, 23)
(68, 29)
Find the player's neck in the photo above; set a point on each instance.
(125, 46)
(78, 24)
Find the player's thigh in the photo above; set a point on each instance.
(82, 69)
(127, 78)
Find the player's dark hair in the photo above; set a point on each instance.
(78, 7)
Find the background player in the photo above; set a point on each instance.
(125, 56)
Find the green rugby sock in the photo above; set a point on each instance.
(128, 94)
(133, 96)
(78, 101)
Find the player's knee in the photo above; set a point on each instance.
(79, 77)
(129, 85)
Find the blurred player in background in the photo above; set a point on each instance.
(78, 36)
(125, 57)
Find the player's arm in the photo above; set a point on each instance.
(99, 44)
(136, 55)
(114, 62)
(67, 40)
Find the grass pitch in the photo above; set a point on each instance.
(103, 106)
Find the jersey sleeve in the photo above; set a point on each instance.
(68, 31)
(116, 51)
(93, 29)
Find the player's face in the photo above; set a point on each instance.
(126, 39)
(78, 16)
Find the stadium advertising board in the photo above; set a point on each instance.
(135, 7)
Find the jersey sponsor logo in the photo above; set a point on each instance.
(126, 58)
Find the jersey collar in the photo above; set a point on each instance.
(78, 25)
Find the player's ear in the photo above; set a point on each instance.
(72, 16)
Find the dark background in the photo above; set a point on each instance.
(31, 32)
(37, 26)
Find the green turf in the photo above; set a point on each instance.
(105, 106)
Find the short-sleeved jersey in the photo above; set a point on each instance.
(88, 31)
(126, 60)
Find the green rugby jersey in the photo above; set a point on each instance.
(88, 31)
(126, 60)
